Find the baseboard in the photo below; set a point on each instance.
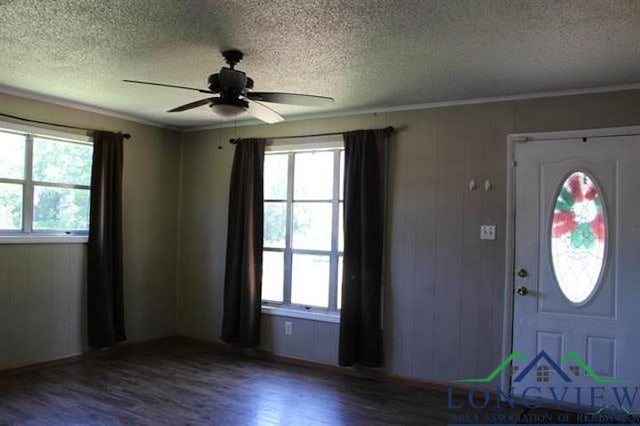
(51, 362)
(82, 356)
(360, 372)
(456, 389)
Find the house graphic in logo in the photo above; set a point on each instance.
(549, 382)
(542, 373)
(542, 365)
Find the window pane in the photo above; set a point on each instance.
(310, 280)
(12, 152)
(275, 224)
(60, 209)
(62, 162)
(273, 276)
(340, 269)
(342, 175)
(10, 206)
(578, 237)
(341, 226)
(275, 176)
(313, 176)
(312, 226)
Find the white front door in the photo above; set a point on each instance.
(576, 329)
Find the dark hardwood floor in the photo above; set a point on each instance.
(178, 383)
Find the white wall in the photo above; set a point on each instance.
(443, 309)
(43, 286)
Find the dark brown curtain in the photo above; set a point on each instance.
(243, 274)
(105, 291)
(364, 210)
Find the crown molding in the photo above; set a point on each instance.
(322, 115)
(428, 105)
(81, 106)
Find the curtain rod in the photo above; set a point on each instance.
(387, 130)
(124, 135)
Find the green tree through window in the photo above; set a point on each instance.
(54, 184)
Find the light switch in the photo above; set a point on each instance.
(487, 232)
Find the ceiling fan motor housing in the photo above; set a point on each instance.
(230, 81)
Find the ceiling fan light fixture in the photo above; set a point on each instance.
(228, 111)
(228, 107)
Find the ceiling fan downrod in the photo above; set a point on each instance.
(232, 57)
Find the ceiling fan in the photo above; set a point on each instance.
(235, 95)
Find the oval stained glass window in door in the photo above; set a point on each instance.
(578, 234)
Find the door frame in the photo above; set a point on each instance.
(510, 244)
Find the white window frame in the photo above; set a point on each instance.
(286, 308)
(27, 234)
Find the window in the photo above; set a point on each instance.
(44, 183)
(578, 237)
(303, 238)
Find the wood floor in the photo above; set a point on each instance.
(178, 383)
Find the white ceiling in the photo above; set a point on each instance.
(365, 54)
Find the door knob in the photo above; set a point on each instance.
(522, 290)
(522, 273)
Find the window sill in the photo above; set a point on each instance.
(296, 313)
(43, 239)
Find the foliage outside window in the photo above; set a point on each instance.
(303, 238)
(44, 184)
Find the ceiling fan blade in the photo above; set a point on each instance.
(291, 98)
(167, 85)
(192, 105)
(263, 112)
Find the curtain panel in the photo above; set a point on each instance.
(243, 272)
(364, 227)
(105, 300)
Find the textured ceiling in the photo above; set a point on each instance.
(365, 54)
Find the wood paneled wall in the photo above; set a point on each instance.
(42, 314)
(444, 287)
(43, 286)
(444, 290)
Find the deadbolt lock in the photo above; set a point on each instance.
(522, 273)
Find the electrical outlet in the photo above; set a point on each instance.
(487, 232)
(288, 328)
